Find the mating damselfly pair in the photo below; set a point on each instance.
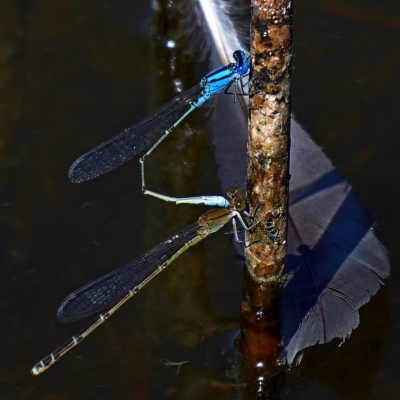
(111, 291)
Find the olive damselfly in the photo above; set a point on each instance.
(111, 291)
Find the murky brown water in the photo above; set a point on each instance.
(74, 73)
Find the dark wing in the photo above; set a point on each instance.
(109, 289)
(132, 141)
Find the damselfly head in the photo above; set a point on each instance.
(238, 201)
(242, 65)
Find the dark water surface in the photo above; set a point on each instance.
(73, 74)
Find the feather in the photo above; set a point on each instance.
(335, 263)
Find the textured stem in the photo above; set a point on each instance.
(268, 178)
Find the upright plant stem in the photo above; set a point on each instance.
(268, 179)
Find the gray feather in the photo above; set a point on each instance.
(335, 263)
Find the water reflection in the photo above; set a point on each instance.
(72, 74)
